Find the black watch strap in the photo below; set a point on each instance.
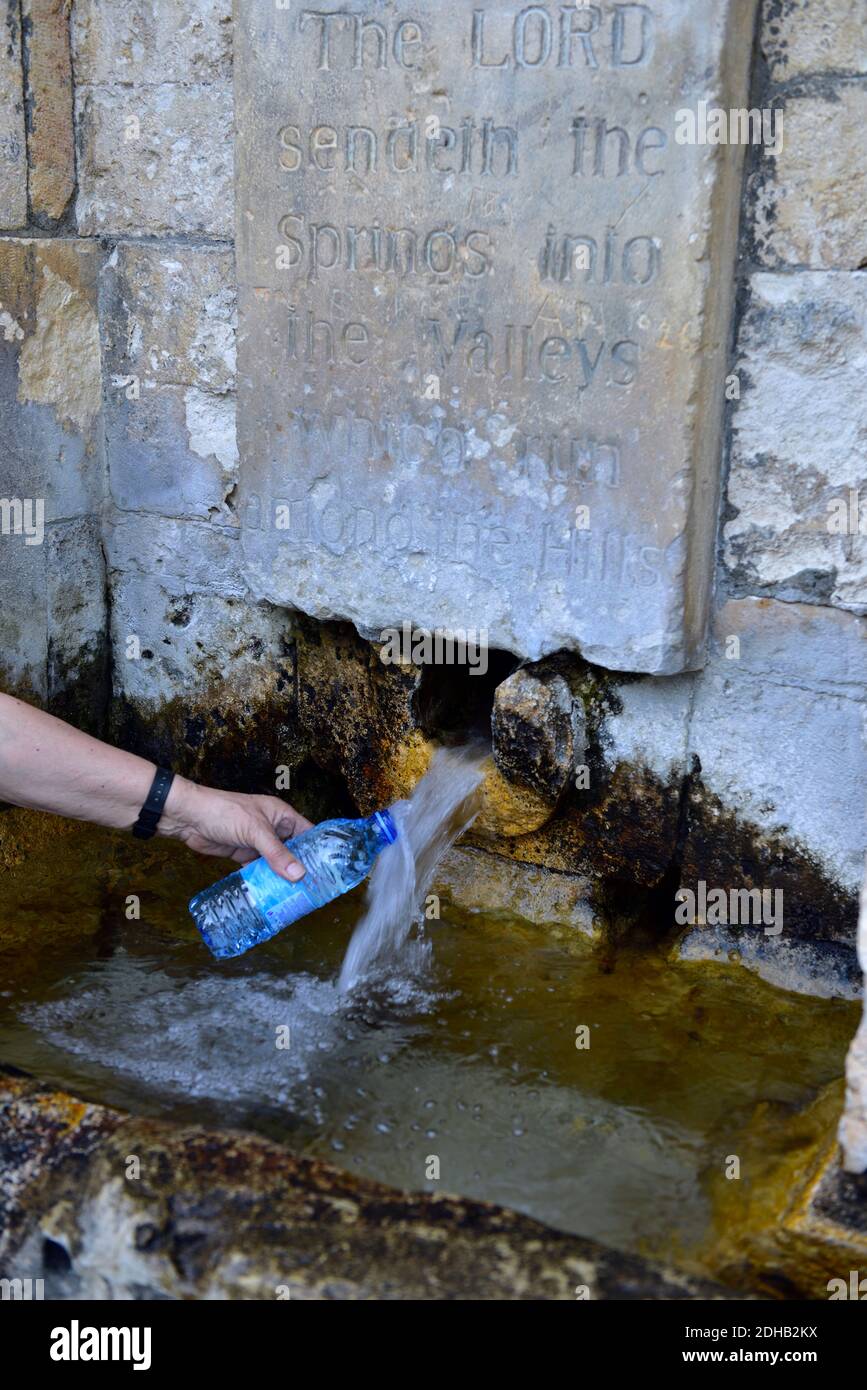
(149, 815)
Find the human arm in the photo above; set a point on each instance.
(48, 765)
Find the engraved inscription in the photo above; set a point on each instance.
(483, 314)
(474, 148)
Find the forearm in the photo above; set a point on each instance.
(50, 766)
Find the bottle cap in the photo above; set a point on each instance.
(385, 821)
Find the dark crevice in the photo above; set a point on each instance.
(453, 703)
(321, 794)
(661, 902)
(55, 1259)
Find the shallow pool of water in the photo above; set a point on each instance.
(472, 1063)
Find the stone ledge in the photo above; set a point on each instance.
(228, 1215)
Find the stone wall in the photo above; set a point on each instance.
(118, 322)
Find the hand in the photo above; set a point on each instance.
(234, 825)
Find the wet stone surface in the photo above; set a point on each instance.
(231, 1215)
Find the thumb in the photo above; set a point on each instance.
(277, 856)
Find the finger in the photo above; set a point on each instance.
(277, 855)
(284, 818)
(291, 824)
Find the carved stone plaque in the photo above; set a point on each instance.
(485, 265)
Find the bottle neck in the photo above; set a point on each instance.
(385, 826)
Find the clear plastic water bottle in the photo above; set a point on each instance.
(254, 903)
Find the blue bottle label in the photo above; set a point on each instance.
(278, 901)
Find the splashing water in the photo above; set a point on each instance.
(441, 807)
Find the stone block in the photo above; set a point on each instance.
(823, 969)
(202, 682)
(183, 556)
(155, 160)
(645, 727)
(263, 1218)
(472, 882)
(357, 714)
(77, 671)
(172, 450)
(51, 474)
(801, 37)
(169, 316)
(169, 328)
(485, 296)
(13, 146)
(50, 372)
(798, 519)
(777, 795)
(50, 135)
(184, 642)
(140, 42)
(795, 1229)
(23, 636)
(809, 199)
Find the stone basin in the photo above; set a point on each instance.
(155, 1142)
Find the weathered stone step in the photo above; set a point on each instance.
(102, 1205)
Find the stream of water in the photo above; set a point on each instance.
(443, 804)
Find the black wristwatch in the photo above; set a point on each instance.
(149, 815)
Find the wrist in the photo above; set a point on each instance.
(178, 812)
